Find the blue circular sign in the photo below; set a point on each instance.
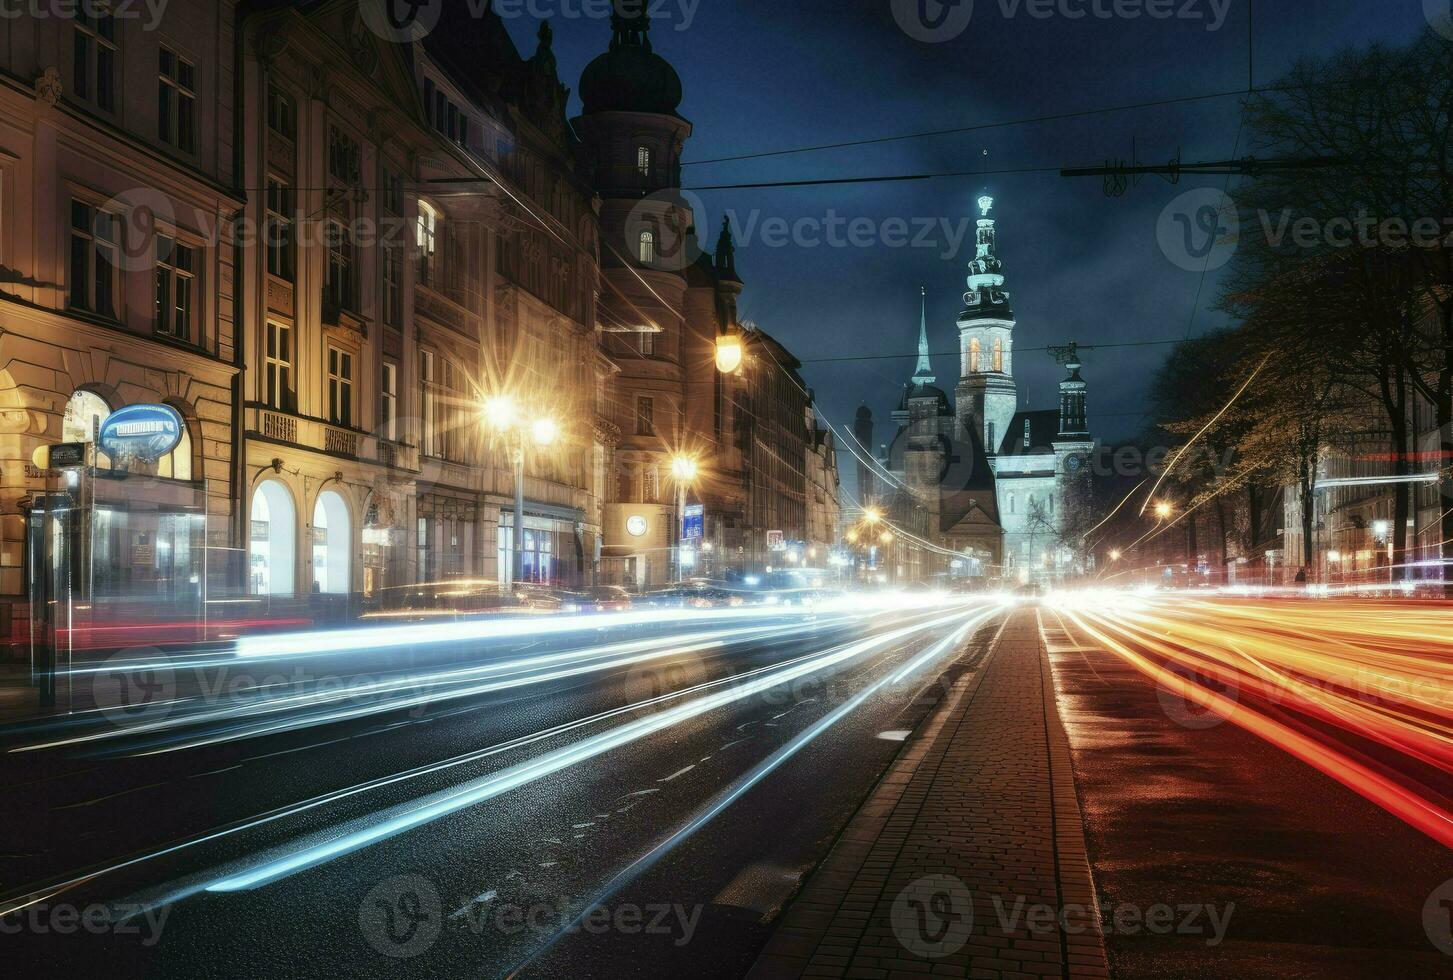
(145, 432)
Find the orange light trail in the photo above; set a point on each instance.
(1362, 691)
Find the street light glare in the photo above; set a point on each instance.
(499, 412)
(1163, 510)
(728, 353)
(683, 468)
(872, 515)
(545, 432)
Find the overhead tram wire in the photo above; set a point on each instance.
(956, 353)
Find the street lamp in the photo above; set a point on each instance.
(1115, 555)
(728, 352)
(503, 419)
(683, 470)
(1163, 510)
(872, 515)
(886, 537)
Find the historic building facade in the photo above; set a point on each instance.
(665, 301)
(117, 280)
(993, 487)
(426, 245)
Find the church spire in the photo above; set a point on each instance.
(631, 24)
(924, 375)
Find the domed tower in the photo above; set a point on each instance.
(987, 395)
(631, 140)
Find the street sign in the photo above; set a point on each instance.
(776, 541)
(63, 455)
(144, 432)
(693, 523)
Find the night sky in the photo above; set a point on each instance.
(763, 75)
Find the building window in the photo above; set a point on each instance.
(95, 56)
(648, 247)
(429, 406)
(643, 161)
(340, 284)
(94, 238)
(278, 228)
(648, 343)
(340, 387)
(177, 102)
(990, 445)
(85, 411)
(645, 416)
(427, 240)
(278, 391)
(999, 354)
(974, 352)
(175, 288)
(388, 409)
(393, 285)
(177, 464)
(343, 157)
(282, 116)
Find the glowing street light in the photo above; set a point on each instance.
(683, 469)
(728, 353)
(1163, 510)
(886, 537)
(872, 515)
(503, 419)
(852, 537)
(1115, 555)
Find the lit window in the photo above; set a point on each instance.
(340, 387)
(426, 238)
(388, 409)
(175, 288)
(974, 352)
(648, 343)
(999, 354)
(278, 391)
(85, 411)
(177, 464)
(429, 407)
(648, 247)
(177, 101)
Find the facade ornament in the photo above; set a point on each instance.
(48, 87)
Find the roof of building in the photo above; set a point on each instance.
(1043, 430)
(972, 495)
(630, 77)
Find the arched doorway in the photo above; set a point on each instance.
(332, 544)
(272, 556)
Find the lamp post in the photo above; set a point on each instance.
(504, 421)
(683, 471)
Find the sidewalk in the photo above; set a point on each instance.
(969, 859)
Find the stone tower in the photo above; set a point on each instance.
(986, 394)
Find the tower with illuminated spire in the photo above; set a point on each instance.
(987, 396)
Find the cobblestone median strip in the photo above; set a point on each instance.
(969, 858)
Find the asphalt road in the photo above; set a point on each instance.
(1271, 805)
(445, 801)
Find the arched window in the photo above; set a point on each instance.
(999, 354)
(648, 247)
(643, 161)
(273, 540)
(974, 353)
(85, 411)
(177, 464)
(427, 239)
(332, 540)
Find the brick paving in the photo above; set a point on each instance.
(983, 796)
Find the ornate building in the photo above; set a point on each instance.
(997, 485)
